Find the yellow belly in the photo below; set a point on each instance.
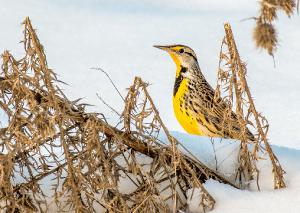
(185, 117)
(188, 119)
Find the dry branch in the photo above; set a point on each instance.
(48, 141)
(233, 85)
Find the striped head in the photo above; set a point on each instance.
(182, 55)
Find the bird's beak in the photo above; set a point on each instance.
(165, 48)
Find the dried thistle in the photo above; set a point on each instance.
(265, 36)
(268, 10)
(288, 6)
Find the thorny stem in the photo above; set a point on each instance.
(277, 170)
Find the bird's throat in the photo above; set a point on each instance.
(177, 62)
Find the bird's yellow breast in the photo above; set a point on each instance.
(185, 116)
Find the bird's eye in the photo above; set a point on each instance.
(181, 50)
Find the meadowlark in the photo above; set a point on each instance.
(195, 107)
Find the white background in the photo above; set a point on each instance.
(118, 36)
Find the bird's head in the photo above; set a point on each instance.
(182, 55)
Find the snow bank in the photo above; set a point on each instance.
(268, 200)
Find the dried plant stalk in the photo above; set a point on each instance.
(52, 151)
(233, 84)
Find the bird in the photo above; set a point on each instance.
(194, 103)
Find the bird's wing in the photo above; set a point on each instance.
(215, 111)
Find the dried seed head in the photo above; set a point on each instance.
(268, 10)
(288, 6)
(265, 36)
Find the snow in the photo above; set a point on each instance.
(267, 200)
(118, 37)
(193, 200)
(235, 201)
(218, 154)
